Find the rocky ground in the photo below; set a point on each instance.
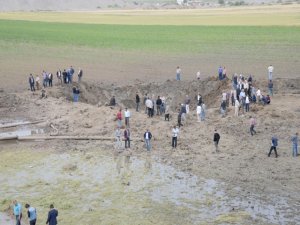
(241, 165)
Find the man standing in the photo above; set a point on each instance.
(158, 105)
(198, 111)
(220, 72)
(175, 132)
(178, 73)
(71, 73)
(31, 212)
(295, 140)
(270, 71)
(274, 144)
(236, 107)
(216, 140)
(137, 101)
(187, 102)
(147, 138)
(179, 118)
(37, 82)
(252, 125)
(127, 116)
(119, 118)
(31, 82)
(127, 137)
(270, 86)
(65, 76)
(52, 216)
(183, 112)
(80, 73)
(50, 78)
(149, 105)
(17, 212)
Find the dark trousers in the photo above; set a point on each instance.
(127, 121)
(127, 142)
(149, 112)
(252, 131)
(32, 87)
(179, 122)
(247, 107)
(158, 112)
(50, 83)
(18, 221)
(32, 222)
(167, 116)
(271, 149)
(174, 142)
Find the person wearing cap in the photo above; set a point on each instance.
(52, 216)
(31, 212)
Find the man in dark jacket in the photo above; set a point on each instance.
(216, 140)
(31, 82)
(158, 105)
(147, 138)
(137, 101)
(53, 213)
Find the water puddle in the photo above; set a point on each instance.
(22, 132)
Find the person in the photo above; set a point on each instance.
(127, 116)
(31, 212)
(175, 132)
(223, 108)
(52, 216)
(112, 101)
(45, 79)
(203, 108)
(224, 73)
(216, 140)
(70, 74)
(198, 111)
(183, 112)
(178, 73)
(65, 76)
(50, 78)
(44, 95)
(17, 212)
(58, 75)
(167, 112)
(31, 82)
(187, 102)
(74, 90)
(149, 105)
(179, 118)
(80, 73)
(144, 101)
(252, 125)
(270, 86)
(267, 99)
(295, 140)
(37, 82)
(158, 105)
(199, 99)
(198, 74)
(247, 103)
(147, 138)
(220, 72)
(137, 102)
(127, 137)
(270, 72)
(274, 144)
(119, 118)
(118, 138)
(236, 107)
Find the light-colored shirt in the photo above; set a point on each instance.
(147, 135)
(270, 69)
(199, 109)
(127, 113)
(149, 103)
(224, 96)
(118, 133)
(32, 213)
(178, 71)
(258, 93)
(252, 121)
(175, 132)
(237, 103)
(247, 100)
(17, 209)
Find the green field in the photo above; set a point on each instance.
(245, 39)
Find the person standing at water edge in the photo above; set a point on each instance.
(178, 73)
(274, 144)
(147, 138)
(31, 212)
(216, 140)
(17, 212)
(175, 132)
(52, 216)
(295, 140)
(270, 72)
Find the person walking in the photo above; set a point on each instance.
(127, 137)
(175, 132)
(295, 140)
(118, 135)
(52, 216)
(147, 138)
(178, 73)
(127, 117)
(17, 211)
(274, 144)
(137, 102)
(270, 86)
(31, 213)
(252, 125)
(31, 82)
(270, 72)
(216, 140)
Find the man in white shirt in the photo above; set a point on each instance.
(175, 132)
(270, 70)
(127, 116)
(149, 105)
(178, 73)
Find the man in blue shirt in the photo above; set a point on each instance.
(17, 212)
(31, 214)
(274, 144)
(295, 140)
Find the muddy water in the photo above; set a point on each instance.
(119, 189)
